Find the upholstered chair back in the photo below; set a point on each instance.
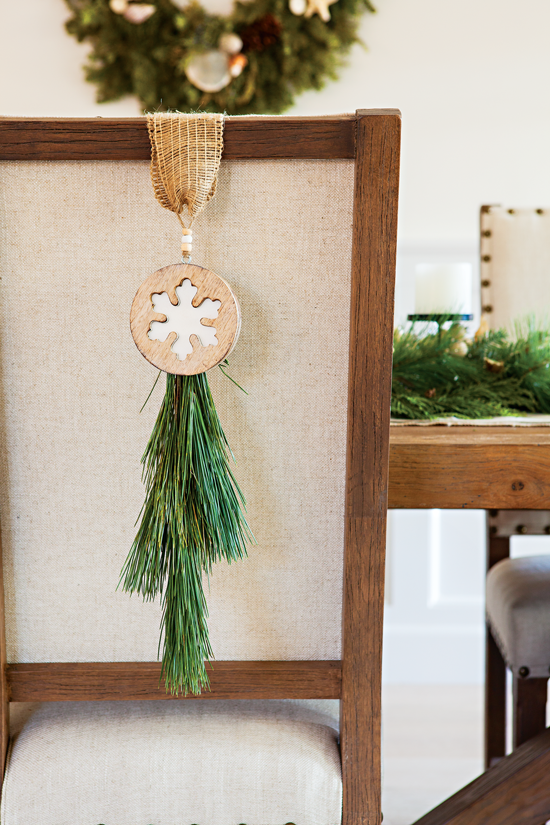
(77, 238)
(515, 264)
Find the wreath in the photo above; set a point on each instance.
(174, 55)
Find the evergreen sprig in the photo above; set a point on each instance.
(193, 516)
(442, 374)
(149, 60)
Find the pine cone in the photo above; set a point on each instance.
(493, 366)
(261, 34)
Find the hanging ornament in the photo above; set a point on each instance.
(133, 12)
(216, 68)
(236, 64)
(319, 7)
(139, 12)
(230, 43)
(297, 7)
(118, 6)
(459, 348)
(209, 71)
(177, 325)
(185, 319)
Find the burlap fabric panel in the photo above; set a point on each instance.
(76, 241)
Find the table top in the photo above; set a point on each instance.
(470, 467)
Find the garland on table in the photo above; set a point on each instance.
(174, 55)
(445, 374)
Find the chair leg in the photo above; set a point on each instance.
(529, 708)
(495, 703)
(498, 548)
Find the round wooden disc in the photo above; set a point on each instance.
(204, 355)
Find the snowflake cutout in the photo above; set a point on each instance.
(184, 319)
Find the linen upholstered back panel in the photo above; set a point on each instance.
(515, 264)
(76, 240)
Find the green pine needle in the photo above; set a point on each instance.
(193, 516)
(496, 375)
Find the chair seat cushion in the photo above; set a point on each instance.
(518, 612)
(174, 763)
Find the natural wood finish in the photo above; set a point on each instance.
(209, 285)
(4, 689)
(514, 792)
(529, 708)
(470, 467)
(98, 681)
(498, 548)
(372, 292)
(127, 139)
(495, 702)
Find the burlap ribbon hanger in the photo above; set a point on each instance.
(186, 155)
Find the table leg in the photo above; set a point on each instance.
(529, 708)
(495, 673)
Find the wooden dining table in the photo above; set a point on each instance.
(470, 467)
(494, 468)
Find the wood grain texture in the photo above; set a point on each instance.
(495, 702)
(209, 285)
(514, 792)
(371, 332)
(470, 467)
(529, 714)
(127, 139)
(98, 681)
(4, 688)
(498, 548)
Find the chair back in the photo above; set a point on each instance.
(303, 227)
(515, 265)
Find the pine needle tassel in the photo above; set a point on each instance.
(193, 516)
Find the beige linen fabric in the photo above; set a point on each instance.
(174, 763)
(518, 611)
(76, 240)
(515, 264)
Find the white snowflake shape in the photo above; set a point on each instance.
(184, 319)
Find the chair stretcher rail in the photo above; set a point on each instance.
(95, 681)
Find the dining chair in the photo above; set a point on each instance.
(303, 225)
(515, 261)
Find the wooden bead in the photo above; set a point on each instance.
(187, 247)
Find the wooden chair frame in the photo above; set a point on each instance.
(372, 139)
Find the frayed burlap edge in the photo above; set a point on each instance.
(186, 151)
